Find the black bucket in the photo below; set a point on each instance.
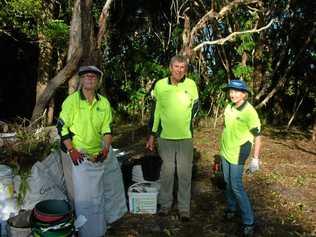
(52, 218)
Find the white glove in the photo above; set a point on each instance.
(254, 165)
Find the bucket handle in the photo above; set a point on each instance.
(136, 184)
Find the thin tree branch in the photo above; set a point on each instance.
(102, 22)
(283, 80)
(223, 12)
(8, 34)
(294, 114)
(231, 36)
(67, 72)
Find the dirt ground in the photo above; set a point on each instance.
(282, 192)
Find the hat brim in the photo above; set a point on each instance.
(90, 71)
(237, 89)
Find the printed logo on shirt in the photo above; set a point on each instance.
(100, 109)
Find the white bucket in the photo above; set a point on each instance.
(142, 197)
(18, 232)
(6, 182)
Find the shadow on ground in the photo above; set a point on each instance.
(277, 214)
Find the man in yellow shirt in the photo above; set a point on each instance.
(176, 103)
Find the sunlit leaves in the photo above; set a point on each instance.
(243, 71)
(22, 15)
(57, 31)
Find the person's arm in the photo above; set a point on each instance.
(64, 123)
(257, 146)
(150, 144)
(196, 103)
(254, 164)
(107, 132)
(107, 138)
(154, 122)
(68, 144)
(75, 155)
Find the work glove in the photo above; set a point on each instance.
(75, 156)
(102, 155)
(253, 165)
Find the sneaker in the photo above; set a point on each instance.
(248, 230)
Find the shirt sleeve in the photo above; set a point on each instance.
(254, 123)
(156, 112)
(156, 122)
(107, 122)
(195, 92)
(196, 103)
(65, 119)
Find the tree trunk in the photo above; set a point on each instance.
(67, 72)
(74, 42)
(44, 71)
(44, 61)
(83, 51)
(50, 112)
(186, 49)
(88, 36)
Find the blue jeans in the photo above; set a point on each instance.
(235, 193)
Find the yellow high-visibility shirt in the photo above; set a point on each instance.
(84, 123)
(173, 110)
(238, 126)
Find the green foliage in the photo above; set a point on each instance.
(21, 15)
(139, 48)
(243, 71)
(211, 94)
(147, 72)
(150, 70)
(176, 39)
(56, 31)
(135, 104)
(24, 186)
(30, 18)
(31, 145)
(247, 44)
(26, 8)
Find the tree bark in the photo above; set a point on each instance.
(88, 36)
(67, 72)
(82, 51)
(74, 42)
(102, 23)
(46, 49)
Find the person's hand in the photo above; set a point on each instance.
(102, 155)
(75, 156)
(254, 165)
(150, 145)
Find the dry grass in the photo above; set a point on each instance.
(283, 192)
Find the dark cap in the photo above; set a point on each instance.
(237, 85)
(89, 69)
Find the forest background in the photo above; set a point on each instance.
(269, 44)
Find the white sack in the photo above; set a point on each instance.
(46, 181)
